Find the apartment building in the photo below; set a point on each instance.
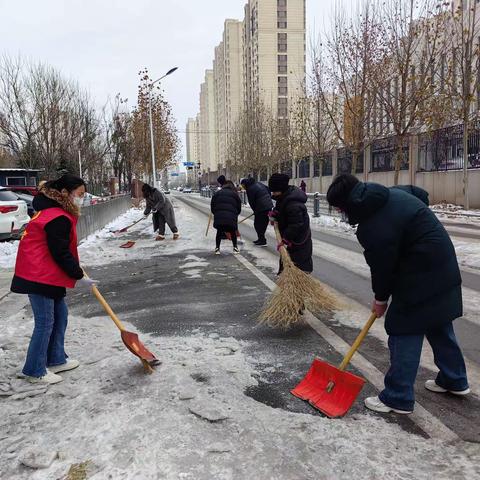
(259, 60)
(274, 53)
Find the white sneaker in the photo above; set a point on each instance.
(160, 238)
(236, 250)
(434, 387)
(49, 378)
(217, 251)
(64, 367)
(176, 236)
(375, 404)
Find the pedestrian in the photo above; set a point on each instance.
(226, 207)
(413, 265)
(48, 263)
(303, 186)
(290, 212)
(162, 212)
(260, 201)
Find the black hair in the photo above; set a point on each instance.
(66, 182)
(146, 189)
(339, 190)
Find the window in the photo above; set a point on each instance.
(282, 47)
(281, 14)
(281, 3)
(282, 111)
(281, 24)
(282, 90)
(282, 101)
(282, 80)
(282, 60)
(282, 37)
(16, 181)
(282, 69)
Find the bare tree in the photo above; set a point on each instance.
(463, 80)
(405, 82)
(343, 72)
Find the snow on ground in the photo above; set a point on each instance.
(191, 419)
(448, 208)
(468, 253)
(8, 254)
(331, 223)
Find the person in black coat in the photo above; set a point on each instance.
(293, 221)
(412, 262)
(226, 207)
(260, 200)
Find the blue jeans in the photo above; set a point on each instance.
(405, 351)
(47, 343)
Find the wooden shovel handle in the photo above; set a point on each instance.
(246, 218)
(208, 224)
(106, 306)
(357, 341)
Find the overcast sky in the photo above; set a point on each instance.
(104, 43)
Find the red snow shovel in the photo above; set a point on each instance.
(128, 244)
(330, 389)
(130, 339)
(124, 229)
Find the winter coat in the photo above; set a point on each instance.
(411, 257)
(226, 206)
(58, 233)
(259, 197)
(159, 202)
(294, 226)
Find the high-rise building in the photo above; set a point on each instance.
(274, 53)
(259, 61)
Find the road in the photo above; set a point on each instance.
(460, 417)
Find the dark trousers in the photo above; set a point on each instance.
(221, 233)
(405, 351)
(159, 224)
(261, 223)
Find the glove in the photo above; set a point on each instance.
(379, 307)
(86, 282)
(273, 216)
(284, 243)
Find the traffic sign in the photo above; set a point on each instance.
(188, 164)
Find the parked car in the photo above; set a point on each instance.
(28, 199)
(166, 191)
(187, 190)
(180, 189)
(13, 215)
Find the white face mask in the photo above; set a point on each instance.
(78, 201)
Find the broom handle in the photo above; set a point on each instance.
(277, 233)
(106, 306)
(208, 224)
(357, 342)
(246, 218)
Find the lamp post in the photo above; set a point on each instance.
(154, 171)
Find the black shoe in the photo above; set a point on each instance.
(260, 243)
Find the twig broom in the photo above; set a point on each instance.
(295, 291)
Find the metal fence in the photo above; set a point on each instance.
(383, 156)
(442, 150)
(345, 160)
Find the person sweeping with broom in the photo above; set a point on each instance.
(293, 221)
(414, 266)
(162, 212)
(47, 264)
(226, 207)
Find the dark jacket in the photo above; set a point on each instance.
(58, 240)
(226, 206)
(259, 197)
(294, 226)
(411, 258)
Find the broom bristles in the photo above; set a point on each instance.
(295, 292)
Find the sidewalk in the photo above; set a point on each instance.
(218, 407)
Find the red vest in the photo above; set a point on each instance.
(34, 261)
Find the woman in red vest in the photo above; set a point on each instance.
(47, 264)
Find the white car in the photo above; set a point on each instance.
(187, 190)
(13, 215)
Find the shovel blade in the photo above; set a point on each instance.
(128, 244)
(133, 343)
(337, 401)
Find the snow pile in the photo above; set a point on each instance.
(446, 208)
(191, 419)
(330, 223)
(468, 253)
(8, 254)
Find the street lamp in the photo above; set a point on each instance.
(154, 171)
